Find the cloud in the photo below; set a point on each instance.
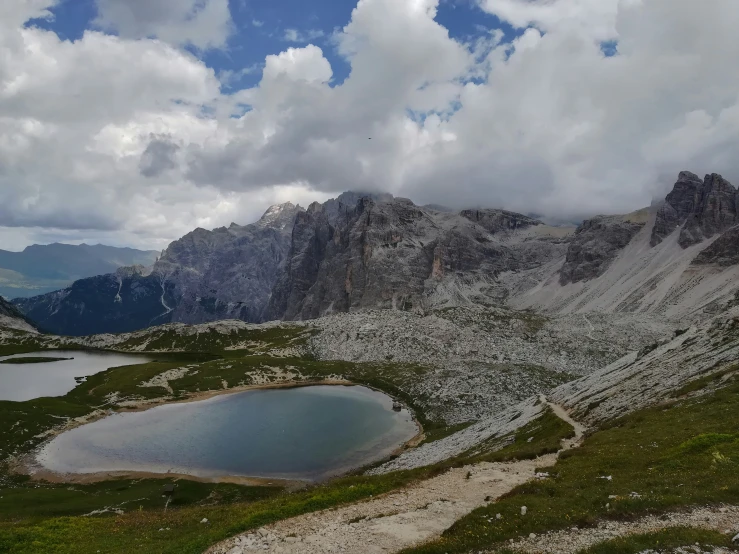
(133, 137)
(158, 157)
(202, 23)
(293, 35)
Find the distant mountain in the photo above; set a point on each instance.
(44, 268)
(355, 251)
(227, 273)
(367, 252)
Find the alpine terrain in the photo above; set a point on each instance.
(576, 389)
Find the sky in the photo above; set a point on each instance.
(132, 122)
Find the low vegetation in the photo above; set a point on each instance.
(683, 453)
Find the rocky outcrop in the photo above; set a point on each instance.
(724, 251)
(227, 273)
(393, 254)
(12, 318)
(497, 221)
(596, 244)
(702, 208)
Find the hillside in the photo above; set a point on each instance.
(39, 269)
(12, 318)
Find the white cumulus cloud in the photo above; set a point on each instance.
(133, 139)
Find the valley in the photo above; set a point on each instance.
(574, 387)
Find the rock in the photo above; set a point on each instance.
(392, 254)
(714, 213)
(736, 538)
(497, 221)
(702, 208)
(679, 204)
(724, 251)
(12, 318)
(524, 509)
(204, 520)
(595, 245)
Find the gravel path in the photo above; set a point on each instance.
(399, 519)
(723, 519)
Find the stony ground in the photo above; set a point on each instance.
(485, 359)
(724, 519)
(575, 344)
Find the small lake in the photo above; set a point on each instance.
(28, 381)
(307, 433)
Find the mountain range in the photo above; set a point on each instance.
(357, 251)
(44, 268)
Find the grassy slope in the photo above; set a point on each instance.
(679, 454)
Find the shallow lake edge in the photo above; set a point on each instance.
(27, 464)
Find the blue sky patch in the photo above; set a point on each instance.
(264, 27)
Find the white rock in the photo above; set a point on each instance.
(524, 509)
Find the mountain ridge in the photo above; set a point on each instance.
(388, 253)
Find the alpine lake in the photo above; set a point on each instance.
(306, 433)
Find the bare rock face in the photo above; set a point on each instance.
(390, 253)
(496, 221)
(702, 208)
(228, 273)
(724, 251)
(596, 244)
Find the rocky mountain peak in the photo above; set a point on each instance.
(703, 208)
(279, 216)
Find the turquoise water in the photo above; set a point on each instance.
(28, 381)
(302, 433)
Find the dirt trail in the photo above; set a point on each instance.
(399, 519)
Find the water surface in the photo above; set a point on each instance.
(301, 433)
(28, 381)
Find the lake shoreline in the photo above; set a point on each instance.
(28, 464)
